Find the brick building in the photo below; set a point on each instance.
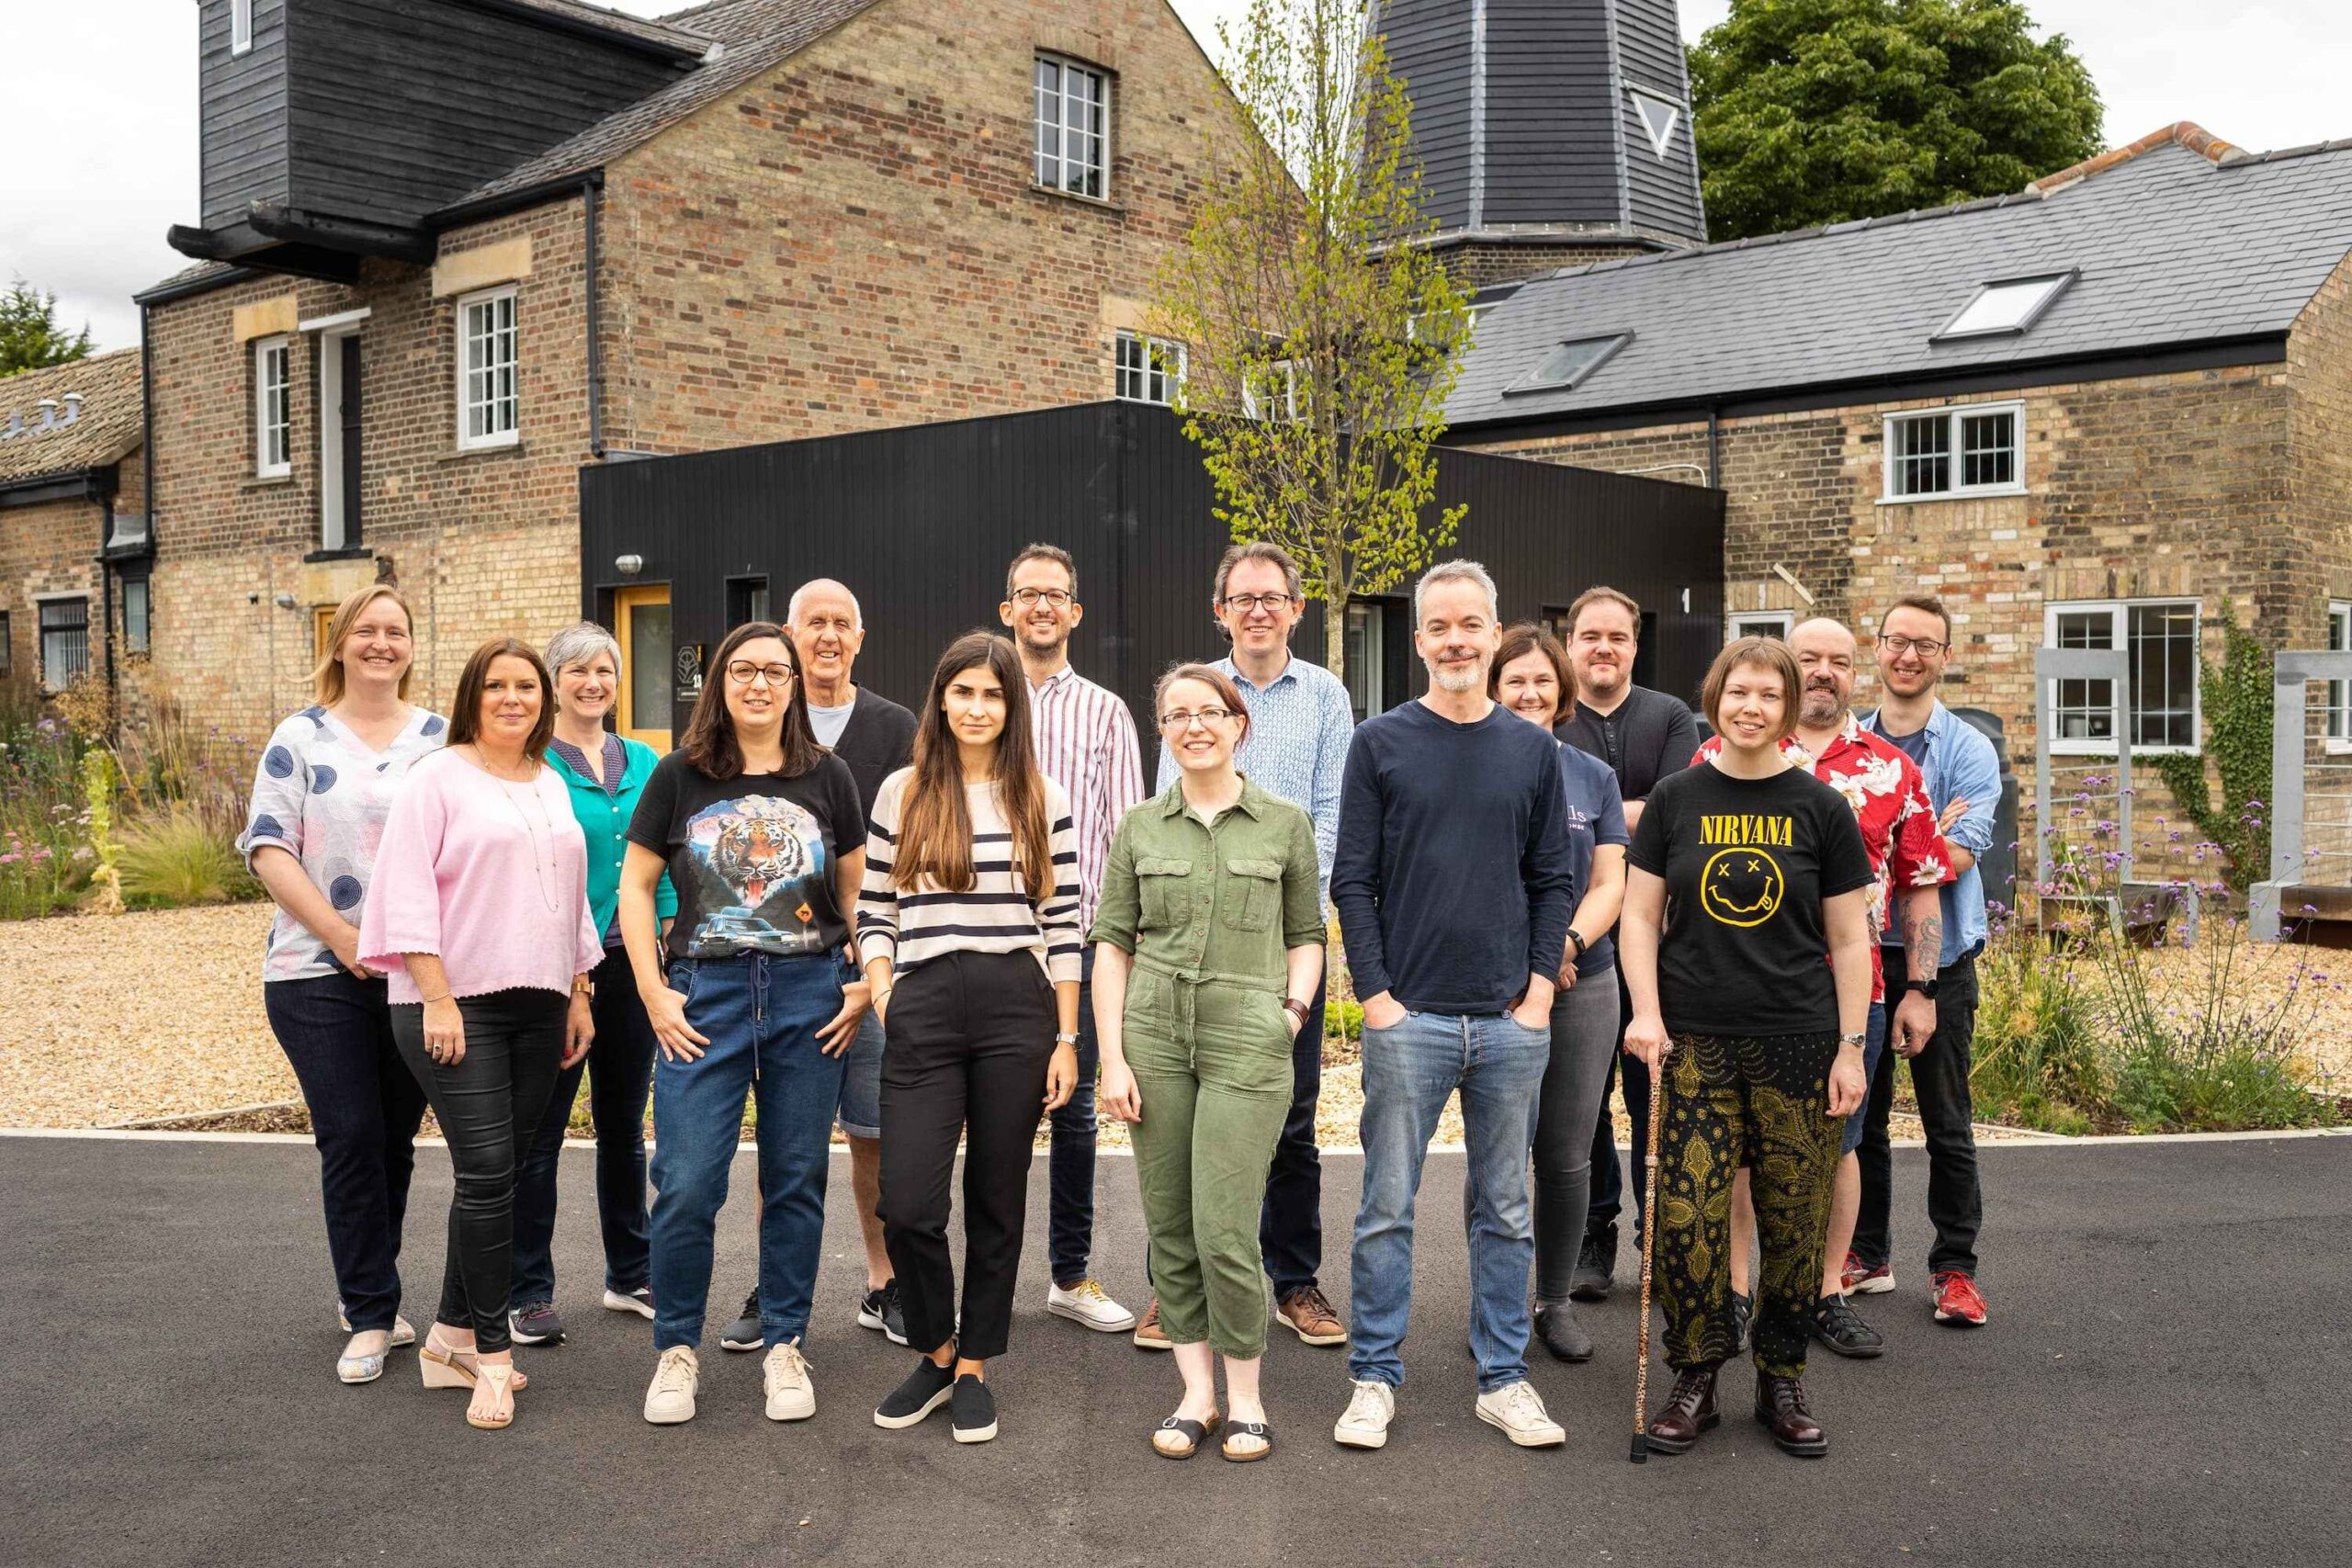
(2086, 414)
(71, 491)
(453, 250)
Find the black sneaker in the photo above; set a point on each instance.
(535, 1323)
(1556, 1325)
(745, 1333)
(881, 1310)
(926, 1389)
(1596, 1265)
(1837, 1324)
(973, 1414)
(1742, 1319)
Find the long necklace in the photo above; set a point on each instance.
(541, 856)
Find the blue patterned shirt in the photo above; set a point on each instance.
(1300, 723)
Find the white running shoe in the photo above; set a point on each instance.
(792, 1397)
(1518, 1409)
(669, 1398)
(1086, 1302)
(1370, 1409)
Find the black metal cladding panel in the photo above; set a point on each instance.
(1429, 50)
(920, 523)
(400, 107)
(1663, 191)
(241, 111)
(1550, 140)
(1649, 47)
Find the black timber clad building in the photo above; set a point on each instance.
(921, 520)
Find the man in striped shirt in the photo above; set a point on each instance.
(1086, 743)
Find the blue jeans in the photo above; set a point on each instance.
(761, 1016)
(1070, 1167)
(1408, 1071)
(860, 1113)
(1873, 1047)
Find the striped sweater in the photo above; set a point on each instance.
(996, 915)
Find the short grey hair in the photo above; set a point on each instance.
(1257, 549)
(792, 606)
(1457, 571)
(578, 643)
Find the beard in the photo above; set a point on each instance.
(1458, 678)
(1821, 708)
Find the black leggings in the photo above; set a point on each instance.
(970, 1034)
(513, 1042)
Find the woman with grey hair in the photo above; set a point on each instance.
(603, 775)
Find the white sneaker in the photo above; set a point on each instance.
(1086, 1302)
(1518, 1409)
(1370, 1409)
(791, 1395)
(669, 1398)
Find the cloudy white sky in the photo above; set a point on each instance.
(98, 118)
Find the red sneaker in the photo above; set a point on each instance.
(1958, 1301)
(1862, 1279)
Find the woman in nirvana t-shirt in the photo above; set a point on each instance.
(1746, 946)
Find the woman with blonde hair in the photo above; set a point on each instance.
(321, 795)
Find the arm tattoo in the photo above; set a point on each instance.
(1923, 944)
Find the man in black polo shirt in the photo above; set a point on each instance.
(1643, 736)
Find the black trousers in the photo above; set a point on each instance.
(969, 1036)
(1939, 1081)
(1608, 1188)
(1290, 1222)
(488, 1104)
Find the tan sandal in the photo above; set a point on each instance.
(444, 1366)
(503, 1384)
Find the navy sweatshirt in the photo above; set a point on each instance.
(1453, 877)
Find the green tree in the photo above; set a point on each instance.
(1819, 111)
(29, 336)
(1319, 340)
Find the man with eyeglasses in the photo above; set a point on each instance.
(1300, 723)
(1964, 774)
(1086, 742)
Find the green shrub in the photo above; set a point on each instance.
(2038, 1061)
(177, 860)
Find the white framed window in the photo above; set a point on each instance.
(1660, 117)
(2006, 308)
(241, 26)
(1073, 116)
(2339, 693)
(1271, 392)
(1764, 623)
(273, 407)
(2159, 638)
(489, 360)
(1977, 449)
(1148, 369)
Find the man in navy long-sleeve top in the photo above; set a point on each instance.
(1455, 890)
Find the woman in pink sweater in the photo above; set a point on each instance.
(479, 916)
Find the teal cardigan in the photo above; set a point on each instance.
(603, 819)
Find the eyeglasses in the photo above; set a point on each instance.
(743, 673)
(1926, 647)
(1245, 604)
(1029, 598)
(1180, 720)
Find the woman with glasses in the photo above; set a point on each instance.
(1209, 953)
(760, 832)
(970, 908)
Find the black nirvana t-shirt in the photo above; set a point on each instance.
(753, 858)
(1746, 864)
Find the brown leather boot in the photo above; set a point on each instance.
(1689, 1410)
(1780, 1405)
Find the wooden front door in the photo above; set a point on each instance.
(643, 614)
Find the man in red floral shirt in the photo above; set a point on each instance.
(1907, 852)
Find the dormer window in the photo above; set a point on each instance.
(2009, 307)
(1568, 366)
(1073, 113)
(241, 26)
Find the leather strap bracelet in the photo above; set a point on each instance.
(1297, 1010)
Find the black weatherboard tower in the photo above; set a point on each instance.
(1550, 132)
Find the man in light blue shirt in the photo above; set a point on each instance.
(1300, 723)
(1964, 774)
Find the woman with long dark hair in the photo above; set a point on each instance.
(479, 918)
(320, 795)
(760, 832)
(969, 905)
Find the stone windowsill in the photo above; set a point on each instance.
(477, 454)
(270, 481)
(1099, 203)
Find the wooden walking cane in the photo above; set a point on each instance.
(1649, 1246)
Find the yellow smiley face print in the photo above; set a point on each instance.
(1741, 887)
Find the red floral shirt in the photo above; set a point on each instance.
(1890, 801)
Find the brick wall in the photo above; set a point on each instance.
(1481, 264)
(46, 548)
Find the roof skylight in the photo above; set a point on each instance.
(1568, 366)
(2006, 306)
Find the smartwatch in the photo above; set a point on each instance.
(1925, 987)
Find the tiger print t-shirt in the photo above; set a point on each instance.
(754, 858)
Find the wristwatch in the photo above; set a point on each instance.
(1856, 1040)
(1925, 987)
(1065, 1039)
(1578, 936)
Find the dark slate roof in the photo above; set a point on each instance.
(105, 429)
(2174, 249)
(752, 35)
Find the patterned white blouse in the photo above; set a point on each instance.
(321, 795)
